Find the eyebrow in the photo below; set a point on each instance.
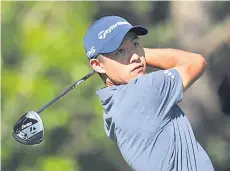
(134, 37)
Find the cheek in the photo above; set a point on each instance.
(118, 72)
(143, 61)
(113, 68)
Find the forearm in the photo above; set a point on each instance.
(189, 65)
(169, 58)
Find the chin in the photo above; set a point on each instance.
(138, 75)
(141, 73)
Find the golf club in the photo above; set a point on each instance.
(29, 130)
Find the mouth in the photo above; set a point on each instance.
(139, 67)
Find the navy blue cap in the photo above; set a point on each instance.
(107, 34)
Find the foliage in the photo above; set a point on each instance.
(42, 54)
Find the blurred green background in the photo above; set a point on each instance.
(42, 54)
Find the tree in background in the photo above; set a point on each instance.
(42, 54)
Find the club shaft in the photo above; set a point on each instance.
(66, 91)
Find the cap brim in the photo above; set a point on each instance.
(114, 43)
(139, 30)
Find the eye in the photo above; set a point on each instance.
(120, 51)
(135, 44)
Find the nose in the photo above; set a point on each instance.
(135, 58)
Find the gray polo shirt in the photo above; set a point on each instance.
(151, 131)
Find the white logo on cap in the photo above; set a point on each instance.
(103, 33)
(91, 52)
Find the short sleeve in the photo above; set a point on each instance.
(169, 84)
(161, 90)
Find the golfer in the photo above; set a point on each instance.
(141, 112)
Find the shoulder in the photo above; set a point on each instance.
(156, 77)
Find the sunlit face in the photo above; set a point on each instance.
(124, 64)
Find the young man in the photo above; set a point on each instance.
(141, 113)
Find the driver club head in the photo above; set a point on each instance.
(29, 130)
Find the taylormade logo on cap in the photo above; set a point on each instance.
(103, 33)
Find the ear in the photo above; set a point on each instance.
(96, 65)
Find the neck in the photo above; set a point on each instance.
(108, 82)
